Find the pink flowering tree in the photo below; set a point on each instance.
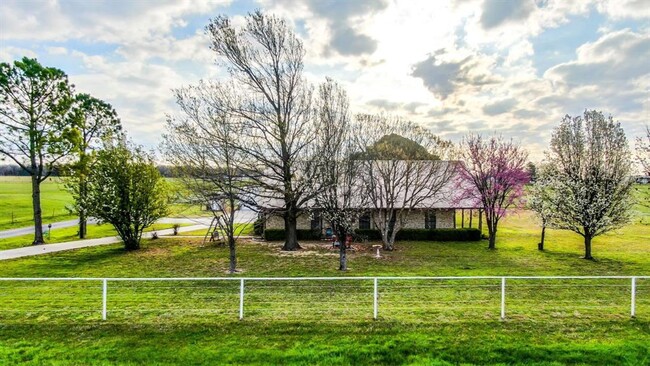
(492, 177)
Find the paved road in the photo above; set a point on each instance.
(242, 216)
(51, 248)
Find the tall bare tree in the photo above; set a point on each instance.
(96, 121)
(201, 146)
(34, 130)
(338, 174)
(492, 176)
(401, 170)
(268, 94)
(589, 166)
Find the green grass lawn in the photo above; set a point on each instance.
(70, 234)
(16, 203)
(420, 322)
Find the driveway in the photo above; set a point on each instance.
(52, 248)
(242, 216)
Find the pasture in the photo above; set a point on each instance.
(422, 322)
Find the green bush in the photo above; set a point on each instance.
(468, 234)
(278, 234)
(258, 227)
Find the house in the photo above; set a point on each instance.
(436, 211)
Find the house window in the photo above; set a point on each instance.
(316, 221)
(429, 219)
(364, 221)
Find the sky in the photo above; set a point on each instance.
(510, 67)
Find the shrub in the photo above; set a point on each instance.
(468, 234)
(278, 234)
(258, 226)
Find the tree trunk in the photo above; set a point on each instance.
(588, 247)
(492, 235)
(82, 225)
(462, 218)
(290, 229)
(131, 244)
(480, 221)
(540, 246)
(82, 214)
(343, 248)
(233, 256)
(38, 214)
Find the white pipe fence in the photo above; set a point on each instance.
(375, 282)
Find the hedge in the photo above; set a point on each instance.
(278, 234)
(467, 234)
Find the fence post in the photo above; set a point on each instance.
(503, 298)
(104, 293)
(241, 299)
(633, 309)
(375, 304)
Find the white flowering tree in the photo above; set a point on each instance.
(643, 157)
(589, 171)
(540, 201)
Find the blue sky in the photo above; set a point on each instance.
(458, 66)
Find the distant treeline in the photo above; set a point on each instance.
(16, 171)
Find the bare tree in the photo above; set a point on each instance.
(401, 170)
(201, 146)
(492, 176)
(270, 97)
(590, 174)
(34, 130)
(337, 174)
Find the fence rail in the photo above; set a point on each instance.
(406, 291)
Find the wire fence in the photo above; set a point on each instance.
(417, 299)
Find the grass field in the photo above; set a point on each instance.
(16, 203)
(422, 322)
(548, 322)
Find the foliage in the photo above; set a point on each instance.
(643, 158)
(492, 177)
(34, 130)
(589, 175)
(127, 191)
(96, 123)
(280, 234)
(465, 234)
(540, 201)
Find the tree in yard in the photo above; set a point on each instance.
(126, 191)
(268, 94)
(400, 168)
(589, 170)
(643, 157)
(34, 130)
(540, 201)
(337, 173)
(96, 121)
(531, 169)
(493, 176)
(201, 146)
